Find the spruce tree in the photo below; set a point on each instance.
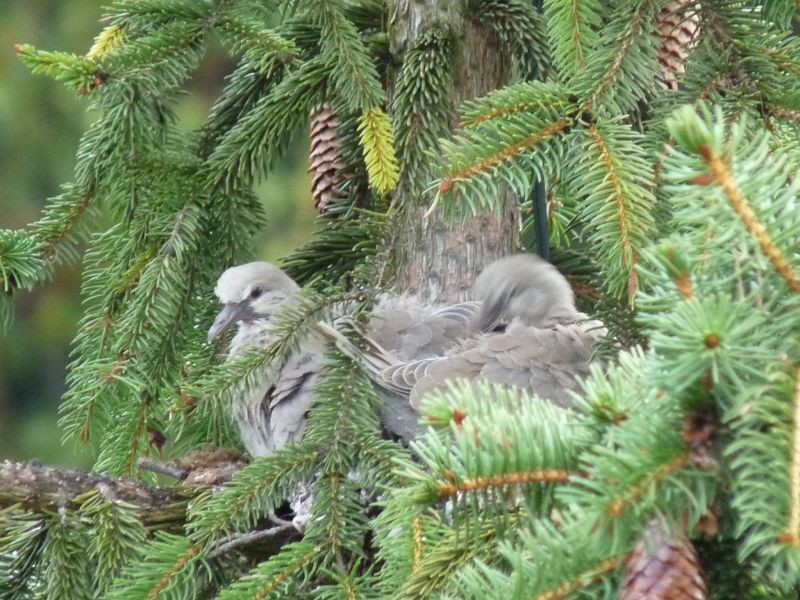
(665, 134)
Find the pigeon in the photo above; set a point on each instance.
(274, 414)
(527, 335)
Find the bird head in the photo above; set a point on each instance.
(255, 290)
(526, 288)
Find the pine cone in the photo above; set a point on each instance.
(326, 163)
(663, 567)
(677, 26)
(699, 432)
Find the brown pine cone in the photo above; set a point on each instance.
(677, 26)
(663, 566)
(326, 164)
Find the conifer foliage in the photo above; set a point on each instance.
(682, 197)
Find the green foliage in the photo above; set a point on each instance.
(20, 268)
(377, 139)
(684, 206)
(575, 29)
(67, 571)
(22, 537)
(610, 176)
(510, 137)
(521, 28)
(420, 106)
(116, 535)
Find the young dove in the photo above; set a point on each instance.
(274, 414)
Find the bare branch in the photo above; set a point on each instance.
(281, 535)
(41, 488)
(156, 466)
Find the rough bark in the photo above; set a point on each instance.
(40, 488)
(437, 259)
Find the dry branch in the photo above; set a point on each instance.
(39, 488)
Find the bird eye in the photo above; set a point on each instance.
(256, 292)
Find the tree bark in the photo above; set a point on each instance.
(438, 259)
(40, 488)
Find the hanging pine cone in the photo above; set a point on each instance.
(663, 566)
(677, 26)
(326, 164)
(699, 432)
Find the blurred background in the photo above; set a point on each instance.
(41, 122)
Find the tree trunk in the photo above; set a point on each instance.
(438, 258)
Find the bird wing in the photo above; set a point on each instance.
(291, 398)
(410, 330)
(274, 414)
(547, 362)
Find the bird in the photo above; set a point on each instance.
(274, 413)
(527, 335)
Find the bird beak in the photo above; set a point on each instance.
(230, 313)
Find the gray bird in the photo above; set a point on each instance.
(274, 414)
(528, 334)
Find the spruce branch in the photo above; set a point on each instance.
(378, 143)
(619, 504)
(250, 147)
(67, 572)
(761, 458)
(169, 567)
(610, 176)
(107, 42)
(159, 10)
(704, 137)
(356, 78)
(481, 159)
(446, 558)
(792, 535)
(631, 56)
(722, 175)
(420, 106)
(548, 131)
(20, 268)
(261, 46)
(272, 577)
(447, 489)
(519, 97)
(59, 221)
(573, 28)
(254, 491)
(77, 72)
(628, 255)
(22, 537)
(583, 580)
(117, 531)
(418, 542)
(521, 29)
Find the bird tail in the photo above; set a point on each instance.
(374, 357)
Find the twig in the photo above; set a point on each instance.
(156, 466)
(238, 540)
(278, 521)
